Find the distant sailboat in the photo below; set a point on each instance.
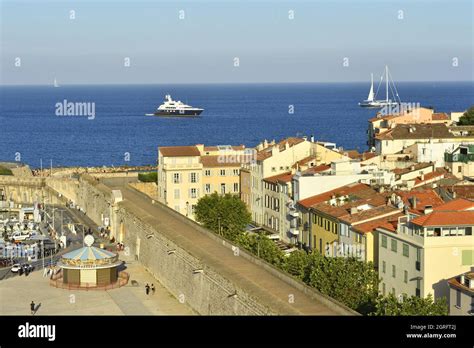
(56, 84)
(372, 102)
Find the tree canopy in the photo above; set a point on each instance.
(467, 118)
(414, 305)
(226, 214)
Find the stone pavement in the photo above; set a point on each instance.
(17, 293)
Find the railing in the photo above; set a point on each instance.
(123, 278)
(458, 157)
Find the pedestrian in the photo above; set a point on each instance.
(153, 288)
(147, 289)
(32, 307)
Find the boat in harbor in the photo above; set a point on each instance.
(372, 102)
(173, 108)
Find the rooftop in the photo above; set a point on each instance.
(285, 177)
(179, 151)
(267, 152)
(388, 222)
(221, 161)
(340, 191)
(459, 204)
(418, 166)
(424, 197)
(445, 218)
(416, 131)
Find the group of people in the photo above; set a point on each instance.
(120, 247)
(148, 288)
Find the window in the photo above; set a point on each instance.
(383, 289)
(459, 169)
(208, 188)
(176, 178)
(384, 266)
(222, 172)
(384, 241)
(236, 187)
(405, 277)
(193, 193)
(273, 169)
(223, 189)
(393, 245)
(193, 177)
(394, 271)
(207, 172)
(236, 172)
(467, 257)
(458, 298)
(406, 250)
(176, 194)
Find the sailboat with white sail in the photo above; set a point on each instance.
(372, 102)
(56, 84)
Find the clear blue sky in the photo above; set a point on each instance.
(201, 48)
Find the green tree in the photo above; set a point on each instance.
(262, 247)
(348, 280)
(467, 118)
(226, 215)
(297, 264)
(413, 305)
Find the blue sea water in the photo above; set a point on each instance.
(234, 114)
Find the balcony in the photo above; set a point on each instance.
(294, 213)
(458, 157)
(294, 231)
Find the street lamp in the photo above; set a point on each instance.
(187, 208)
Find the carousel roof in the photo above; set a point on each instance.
(89, 253)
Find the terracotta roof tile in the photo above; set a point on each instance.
(456, 204)
(285, 177)
(343, 190)
(445, 218)
(179, 151)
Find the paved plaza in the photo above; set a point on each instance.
(16, 294)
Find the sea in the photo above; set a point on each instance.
(119, 133)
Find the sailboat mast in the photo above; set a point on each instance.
(386, 83)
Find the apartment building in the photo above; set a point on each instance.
(460, 161)
(382, 123)
(187, 173)
(461, 294)
(401, 136)
(424, 250)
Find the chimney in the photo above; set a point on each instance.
(312, 138)
(354, 210)
(412, 167)
(462, 279)
(413, 202)
(454, 195)
(265, 144)
(422, 177)
(287, 146)
(428, 209)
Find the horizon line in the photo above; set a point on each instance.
(222, 83)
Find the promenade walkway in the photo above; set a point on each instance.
(272, 291)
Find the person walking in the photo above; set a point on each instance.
(153, 288)
(147, 289)
(32, 307)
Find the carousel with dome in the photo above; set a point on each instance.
(89, 267)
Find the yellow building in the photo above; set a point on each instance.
(187, 173)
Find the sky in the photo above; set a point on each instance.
(325, 41)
